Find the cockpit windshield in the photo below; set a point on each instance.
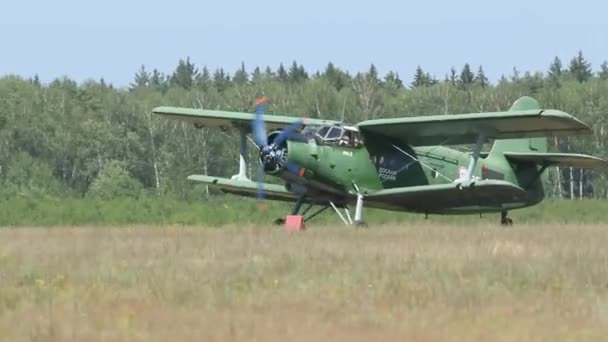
(334, 135)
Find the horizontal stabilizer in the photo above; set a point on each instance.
(558, 159)
(486, 193)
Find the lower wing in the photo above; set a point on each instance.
(485, 193)
(273, 192)
(246, 188)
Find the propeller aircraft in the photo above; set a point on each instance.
(399, 164)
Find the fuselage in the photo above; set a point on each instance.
(382, 164)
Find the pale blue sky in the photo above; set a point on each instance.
(112, 38)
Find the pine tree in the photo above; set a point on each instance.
(256, 75)
(392, 80)
(158, 80)
(221, 80)
(481, 78)
(515, 76)
(331, 74)
(603, 74)
(453, 77)
(203, 79)
(268, 73)
(419, 78)
(372, 74)
(297, 73)
(36, 80)
(555, 72)
(335, 76)
(281, 73)
(302, 73)
(555, 69)
(503, 79)
(292, 75)
(240, 76)
(185, 74)
(580, 68)
(466, 75)
(142, 78)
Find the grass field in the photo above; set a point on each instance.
(233, 210)
(422, 282)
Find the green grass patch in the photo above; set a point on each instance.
(224, 210)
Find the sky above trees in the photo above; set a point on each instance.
(112, 38)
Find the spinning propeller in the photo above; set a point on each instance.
(273, 154)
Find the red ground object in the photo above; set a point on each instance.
(294, 223)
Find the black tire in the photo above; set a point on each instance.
(506, 222)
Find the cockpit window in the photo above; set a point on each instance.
(323, 131)
(334, 133)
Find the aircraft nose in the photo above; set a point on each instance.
(273, 158)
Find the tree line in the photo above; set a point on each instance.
(91, 139)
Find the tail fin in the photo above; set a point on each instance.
(521, 145)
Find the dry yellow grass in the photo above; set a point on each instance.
(422, 283)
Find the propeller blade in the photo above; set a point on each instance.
(287, 132)
(259, 178)
(259, 130)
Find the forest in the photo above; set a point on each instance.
(71, 140)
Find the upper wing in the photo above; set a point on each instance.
(222, 119)
(429, 198)
(456, 129)
(558, 159)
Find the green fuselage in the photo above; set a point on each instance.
(383, 164)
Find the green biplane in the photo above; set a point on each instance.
(399, 164)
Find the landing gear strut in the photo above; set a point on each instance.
(359, 212)
(296, 211)
(504, 220)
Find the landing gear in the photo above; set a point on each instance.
(359, 212)
(504, 220)
(345, 216)
(296, 213)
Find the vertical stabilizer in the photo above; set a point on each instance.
(521, 145)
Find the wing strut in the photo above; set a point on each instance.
(243, 157)
(474, 158)
(417, 160)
